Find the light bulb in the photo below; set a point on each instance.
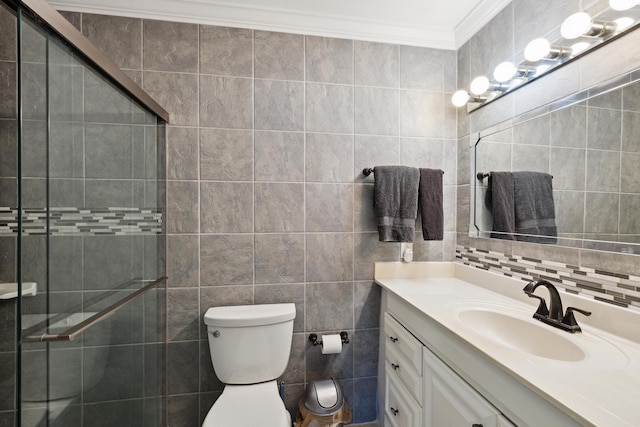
(480, 85)
(460, 98)
(578, 48)
(537, 49)
(505, 72)
(622, 4)
(623, 23)
(575, 25)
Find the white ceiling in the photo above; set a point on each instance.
(430, 23)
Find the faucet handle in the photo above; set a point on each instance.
(570, 320)
(542, 307)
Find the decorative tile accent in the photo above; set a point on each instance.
(618, 289)
(81, 221)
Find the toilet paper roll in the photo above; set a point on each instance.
(331, 344)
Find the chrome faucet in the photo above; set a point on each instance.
(554, 315)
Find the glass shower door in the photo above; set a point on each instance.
(91, 197)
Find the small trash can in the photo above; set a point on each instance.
(323, 405)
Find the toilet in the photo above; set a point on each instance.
(249, 346)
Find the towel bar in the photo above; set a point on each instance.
(71, 333)
(369, 171)
(483, 175)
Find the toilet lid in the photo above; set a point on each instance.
(249, 406)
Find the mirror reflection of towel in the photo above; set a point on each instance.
(534, 207)
(522, 203)
(500, 199)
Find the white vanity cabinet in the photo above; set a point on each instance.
(403, 376)
(450, 401)
(421, 391)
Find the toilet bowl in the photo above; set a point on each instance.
(249, 347)
(249, 405)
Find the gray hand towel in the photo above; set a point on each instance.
(395, 199)
(430, 202)
(534, 207)
(500, 200)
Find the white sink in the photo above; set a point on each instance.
(528, 336)
(515, 328)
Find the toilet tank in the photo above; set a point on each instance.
(250, 343)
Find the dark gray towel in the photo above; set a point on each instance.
(395, 199)
(430, 202)
(534, 207)
(500, 201)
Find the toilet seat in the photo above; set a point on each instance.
(249, 406)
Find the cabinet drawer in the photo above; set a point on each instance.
(402, 340)
(398, 364)
(401, 410)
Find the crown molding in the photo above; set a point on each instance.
(224, 13)
(484, 11)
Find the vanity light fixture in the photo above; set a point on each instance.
(623, 23)
(460, 98)
(506, 71)
(480, 85)
(541, 69)
(540, 49)
(581, 25)
(540, 55)
(578, 48)
(622, 4)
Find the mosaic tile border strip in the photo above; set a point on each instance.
(622, 290)
(82, 221)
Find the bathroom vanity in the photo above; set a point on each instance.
(460, 347)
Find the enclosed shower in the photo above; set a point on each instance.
(82, 241)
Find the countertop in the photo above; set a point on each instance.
(601, 389)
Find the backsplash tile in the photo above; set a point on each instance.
(606, 286)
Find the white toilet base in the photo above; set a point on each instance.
(249, 406)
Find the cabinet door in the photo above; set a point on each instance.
(451, 402)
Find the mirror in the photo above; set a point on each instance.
(590, 144)
(578, 34)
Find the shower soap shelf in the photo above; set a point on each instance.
(10, 290)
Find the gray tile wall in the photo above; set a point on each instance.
(266, 200)
(75, 94)
(516, 25)
(8, 194)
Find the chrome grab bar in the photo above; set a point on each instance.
(71, 333)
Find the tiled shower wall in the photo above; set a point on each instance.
(101, 236)
(266, 200)
(8, 195)
(607, 275)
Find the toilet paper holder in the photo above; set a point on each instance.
(315, 341)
